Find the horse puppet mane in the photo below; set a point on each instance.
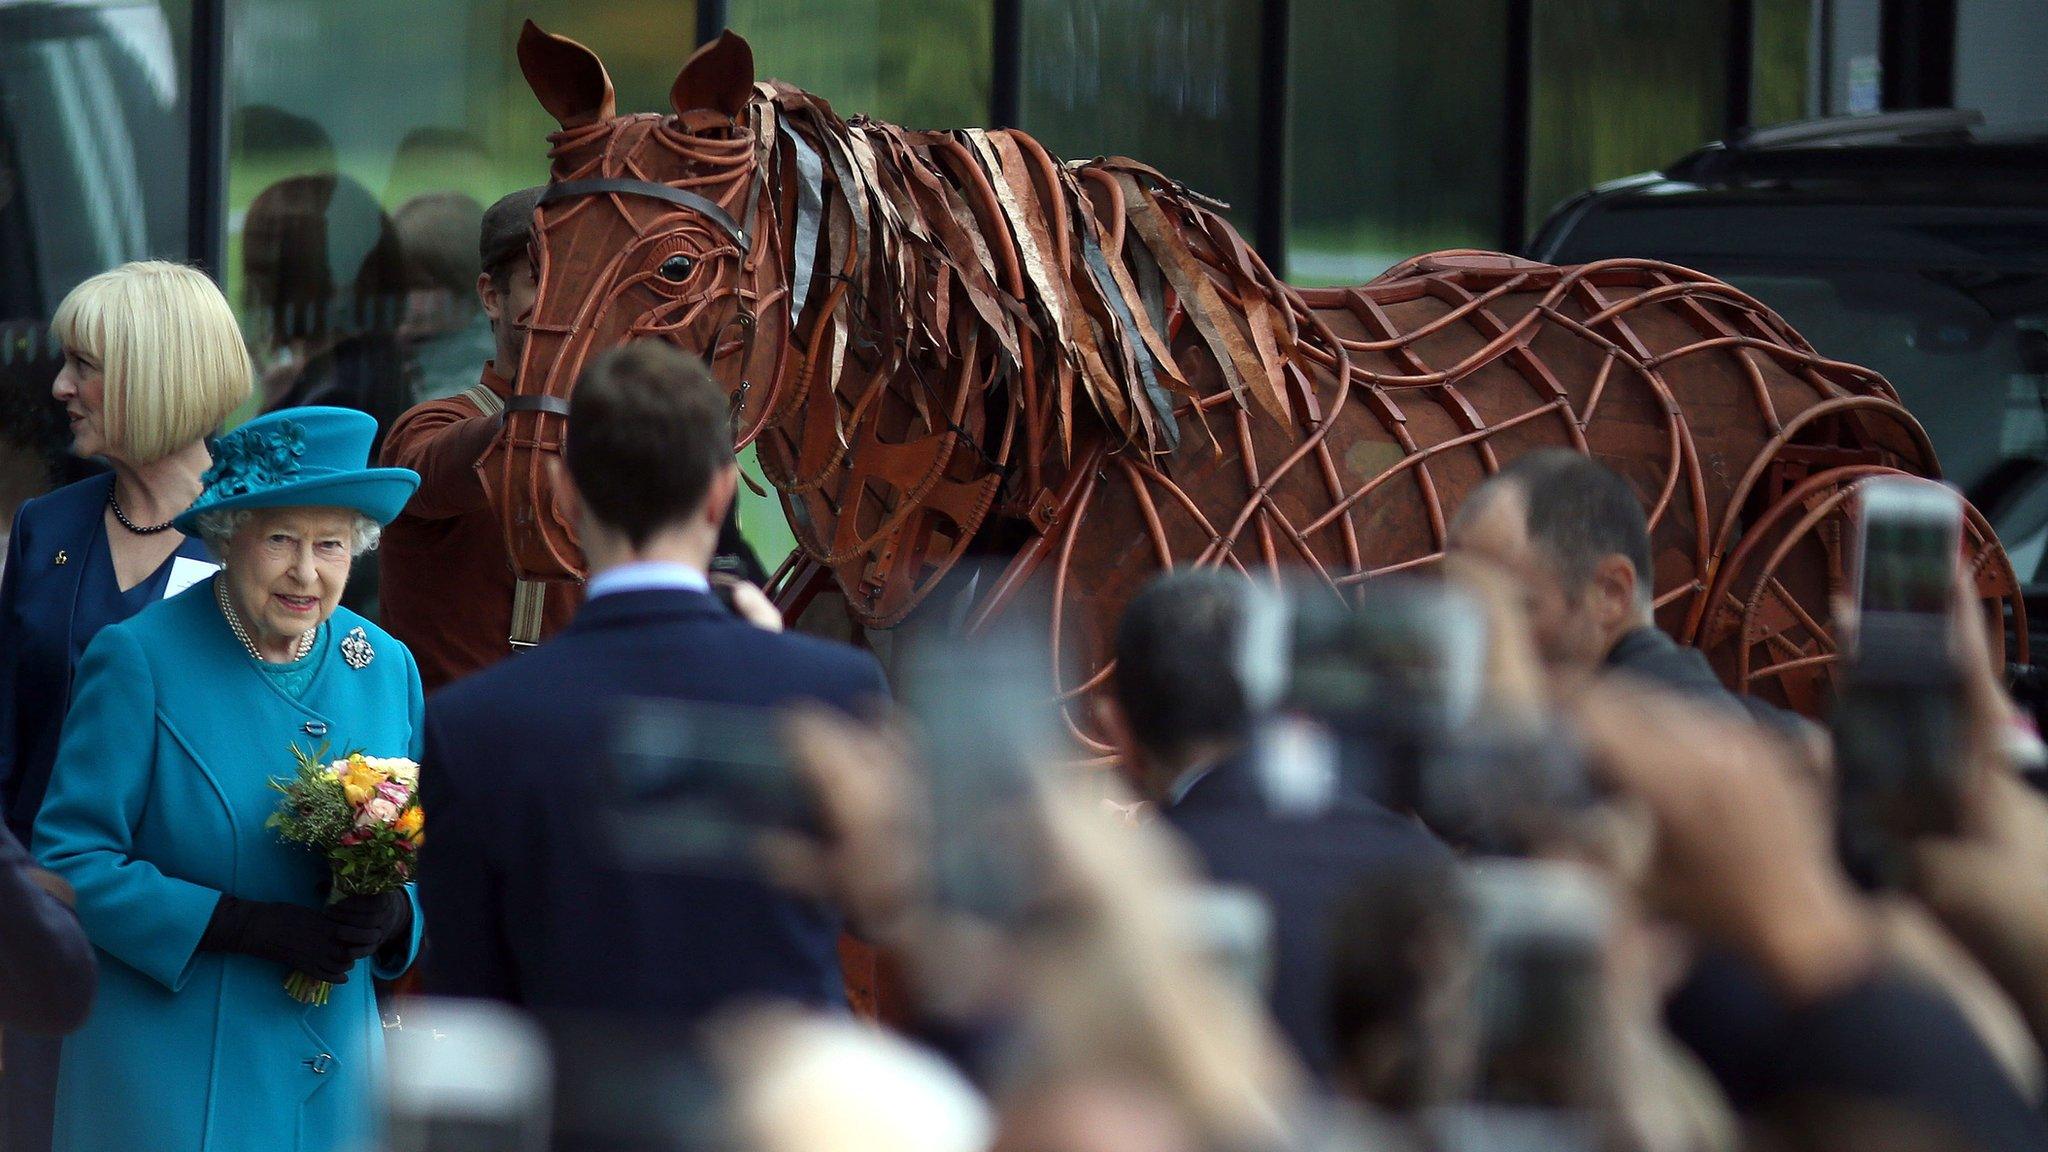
(976, 308)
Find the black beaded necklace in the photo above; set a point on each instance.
(132, 526)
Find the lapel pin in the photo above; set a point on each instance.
(61, 558)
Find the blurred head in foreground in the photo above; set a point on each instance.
(811, 1083)
(1179, 700)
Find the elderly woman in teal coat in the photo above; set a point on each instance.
(155, 814)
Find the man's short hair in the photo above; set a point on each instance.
(648, 430)
(435, 230)
(1578, 511)
(1178, 678)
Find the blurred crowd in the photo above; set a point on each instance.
(1477, 863)
(1473, 859)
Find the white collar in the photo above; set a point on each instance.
(646, 575)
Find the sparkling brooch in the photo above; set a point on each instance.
(356, 650)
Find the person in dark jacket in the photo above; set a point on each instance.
(1187, 728)
(529, 898)
(1573, 535)
(46, 963)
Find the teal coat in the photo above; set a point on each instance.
(156, 808)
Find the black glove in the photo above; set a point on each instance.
(300, 938)
(368, 923)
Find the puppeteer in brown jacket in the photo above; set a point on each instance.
(448, 588)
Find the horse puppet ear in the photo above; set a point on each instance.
(569, 78)
(718, 76)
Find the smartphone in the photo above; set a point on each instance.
(1391, 680)
(1909, 535)
(467, 1076)
(687, 786)
(987, 727)
(1543, 1062)
(1897, 711)
(1539, 931)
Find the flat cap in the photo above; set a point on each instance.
(507, 224)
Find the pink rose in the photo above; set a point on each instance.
(377, 813)
(395, 792)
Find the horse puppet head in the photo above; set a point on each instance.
(647, 229)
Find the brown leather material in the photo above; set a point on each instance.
(1085, 366)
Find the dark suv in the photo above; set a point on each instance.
(1913, 243)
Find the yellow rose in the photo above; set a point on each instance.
(411, 821)
(360, 782)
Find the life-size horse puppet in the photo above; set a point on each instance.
(946, 342)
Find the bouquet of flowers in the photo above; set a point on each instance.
(362, 813)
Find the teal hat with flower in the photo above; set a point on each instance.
(301, 458)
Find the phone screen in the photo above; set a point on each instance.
(1911, 532)
(987, 726)
(1542, 1034)
(1909, 566)
(691, 787)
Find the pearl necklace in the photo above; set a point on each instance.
(300, 647)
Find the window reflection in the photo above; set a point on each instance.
(1171, 82)
(1396, 124)
(1620, 86)
(1782, 46)
(925, 65)
(92, 174)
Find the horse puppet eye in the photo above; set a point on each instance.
(677, 268)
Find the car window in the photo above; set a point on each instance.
(1968, 353)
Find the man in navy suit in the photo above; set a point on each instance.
(526, 898)
(1186, 725)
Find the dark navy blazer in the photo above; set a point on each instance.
(520, 900)
(46, 963)
(1303, 866)
(44, 626)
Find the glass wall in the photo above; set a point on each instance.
(356, 179)
(378, 163)
(1174, 83)
(1396, 129)
(925, 65)
(1620, 86)
(1782, 46)
(365, 138)
(93, 173)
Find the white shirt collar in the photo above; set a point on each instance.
(646, 575)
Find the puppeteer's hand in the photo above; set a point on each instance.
(746, 601)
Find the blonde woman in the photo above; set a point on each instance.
(153, 363)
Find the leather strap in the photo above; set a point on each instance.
(557, 405)
(529, 597)
(529, 605)
(572, 189)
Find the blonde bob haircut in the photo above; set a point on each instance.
(170, 354)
